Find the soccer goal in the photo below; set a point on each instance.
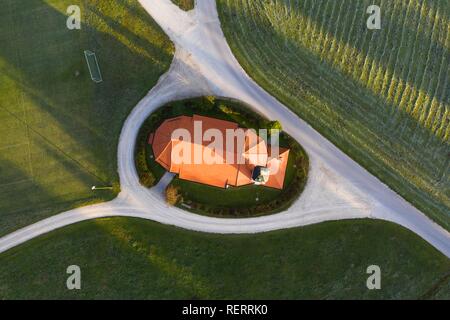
(92, 63)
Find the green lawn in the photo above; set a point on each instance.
(59, 129)
(381, 96)
(136, 259)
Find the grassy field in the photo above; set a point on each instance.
(59, 130)
(127, 258)
(185, 4)
(382, 96)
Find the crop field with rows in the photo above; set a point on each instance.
(382, 96)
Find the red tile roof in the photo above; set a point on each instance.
(254, 151)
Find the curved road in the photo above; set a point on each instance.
(337, 188)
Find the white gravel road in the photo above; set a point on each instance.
(337, 188)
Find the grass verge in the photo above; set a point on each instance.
(124, 258)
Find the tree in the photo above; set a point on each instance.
(274, 125)
(172, 195)
(147, 179)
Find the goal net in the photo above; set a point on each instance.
(92, 63)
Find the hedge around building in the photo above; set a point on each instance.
(187, 192)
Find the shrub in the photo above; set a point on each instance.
(173, 196)
(226, 109)
(274, 125)
(207, 103)
(147, 179)
(146, 176)
(263, 123)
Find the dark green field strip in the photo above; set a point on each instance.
(382, 96)
(66, 125)
(137, 259)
